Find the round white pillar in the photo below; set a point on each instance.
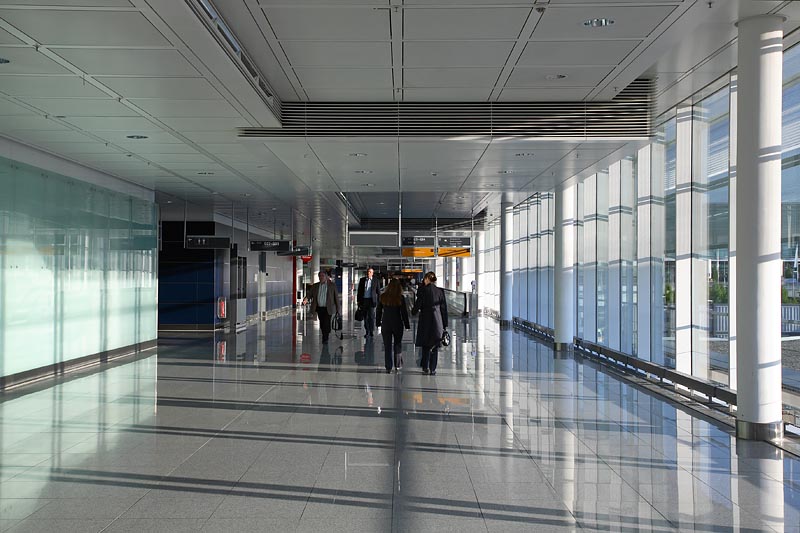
(564, 283)
(506, 262)
(758, 227)
(453, 274)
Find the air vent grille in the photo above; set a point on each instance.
(627, 115)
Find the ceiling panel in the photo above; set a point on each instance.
(85, 28)
(29, 122)
(567, 53)
(130, 125)
(153, 138)
(48, 136)
(444, 94)
(87, 148)
(338, 54)
(349, 95)
(543, 95)
(114, 61)
(329, 24)
(28, 61)
(205, 124)
(186, 108)
(464, 23)
(456, 53)
(351, 78)
(82, 107)
(10, 108)
(49, 86)
(7, 38)
(630, 22)
(72, 3)
(165, 88)
(543, 76)
(450, 77)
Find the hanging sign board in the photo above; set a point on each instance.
(270, 246)
(455, 246)
(418, 246)
(207, 242)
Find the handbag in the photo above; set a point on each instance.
(445, 338)
(359, 316)
(336, 322)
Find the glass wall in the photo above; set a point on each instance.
(78, 269)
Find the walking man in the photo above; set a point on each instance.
(324, 303)
(367, 300)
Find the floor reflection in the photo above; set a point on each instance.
(270, 429)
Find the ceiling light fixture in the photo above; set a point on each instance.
(4, 61)
(381, 203)
(367, 184)
(506, 172)
(598, 23)
(357, 154)
(363, 172)
(205, 173)
(434, 174)
(524, 154)
(556, 77)
(137, 137)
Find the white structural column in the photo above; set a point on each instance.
(453, 269)
(506, 262)
(564, 290)
(315, 265)
(758, 227)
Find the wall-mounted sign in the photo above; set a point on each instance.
(270, 246)
(348, 265)
(207, 242)
(297, 251)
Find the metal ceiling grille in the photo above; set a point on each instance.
(627, 115)
(425, 224)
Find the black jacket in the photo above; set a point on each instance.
(432, 308)
(393, 317)
(372, 298)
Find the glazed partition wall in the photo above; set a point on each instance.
(654, 275)
(78, 269)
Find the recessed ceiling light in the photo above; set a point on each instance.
(363, 172)
(357, 154)
(556, 77)
(524, 154)
(247, 195)
(137, 137)
(506, 172)
(367, 184)
(4, 61)
(434, 174)
(205, 173)
(169, 201)
(274, 208)
(214, 193)
(598, 23)
(381, 203)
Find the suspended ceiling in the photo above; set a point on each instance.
(85, 75)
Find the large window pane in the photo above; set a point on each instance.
(710, 231)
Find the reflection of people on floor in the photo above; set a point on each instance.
(324, 359)
(367, 355)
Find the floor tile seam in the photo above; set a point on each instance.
(471, 482)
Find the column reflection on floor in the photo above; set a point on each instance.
(272, 430)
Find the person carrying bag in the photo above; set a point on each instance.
(432, 308)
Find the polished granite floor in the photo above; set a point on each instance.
(270, 430)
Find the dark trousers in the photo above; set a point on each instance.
(430, 358)
(393, 346)
(369, 316)
(324, 322)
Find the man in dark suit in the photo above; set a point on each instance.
(324, 303)
(367, 298)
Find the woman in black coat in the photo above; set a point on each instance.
(392, 318)
(432, 308)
